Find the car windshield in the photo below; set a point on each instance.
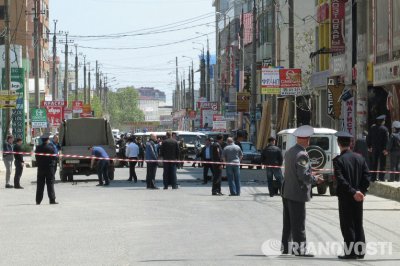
(248, 147)
(191, 139)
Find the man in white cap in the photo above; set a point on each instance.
(394, 152)
(377, 140)
(352, 175)
(296, 191)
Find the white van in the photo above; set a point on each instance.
(323, 148)
(190, 138)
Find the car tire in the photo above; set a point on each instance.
(322, 189)
(332, 189)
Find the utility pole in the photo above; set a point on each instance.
(97, 79)
(253, 127)
(178, 94)
(76, 72)
(291, 55)
(192, 94)
(7, 84)
(36, 54)
(53, 81)
(203, 90)
(65, 94)
(208, 91)
(277, 56)
(89, 86)
(84, 80)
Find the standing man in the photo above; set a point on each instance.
(102, 164)
(216, 156)
(352, 175)
(170, 152)
(151, 167)
(205, 156)
(394, 152)
(8, 158)
(57, 148)
(296, 191)
(182, 151)
(142, 147)
(377, 142)
(197, 150)
(45, 170)
(132, 153)
(233, 154)
(272, 157)
(19, 163)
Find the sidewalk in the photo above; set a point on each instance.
(388, 190)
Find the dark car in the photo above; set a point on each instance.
(250, 154)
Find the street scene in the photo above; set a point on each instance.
(199, 132)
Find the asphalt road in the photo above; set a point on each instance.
(125, 224)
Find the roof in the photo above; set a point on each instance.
(317, 130)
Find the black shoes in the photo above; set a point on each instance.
(154, 188)
(217, 194)
(348, 257)
(99, 185)
(129, 180)
(107, 184)
(18, 187)
(165, 188)
(175, 187)
(53, 202)
(9, 186)
(308, 255)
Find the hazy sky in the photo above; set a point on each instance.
(91, 22)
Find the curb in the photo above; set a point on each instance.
(385, 191)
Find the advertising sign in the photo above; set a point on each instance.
(8, 100)
(348, 115)
(218, 117)
(270, 81)
(67, 113)
(219, 125)
(77, 107)
(290, 78)
(39, 118)
(86, 111)
(243, 102)
(207, 105)
(207, 117)
(54, 103)
(334, 100)
(54, 115)
(337, 25)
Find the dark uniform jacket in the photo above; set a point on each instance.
(394, 143)
(170, 149)
(216, 152)
(18, 157)
(272, 155)
(352, 174)
(44, 162)
(378, 137)
(298, 175)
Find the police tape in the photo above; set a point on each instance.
(74, 156)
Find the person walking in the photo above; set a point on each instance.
(272, 157)
(102, 164)
(377, 140)
(216, 157)
(296, 191)
(205, 155)
(151, 167)
(132, 153)
(19, 163)
(45, 170)
(170, 152)
(232, 154)
(8, 158)
(352, 175)
(394, 152)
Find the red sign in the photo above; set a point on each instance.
(192, 115)
(77, 107)
(218, 117)
(67, 113)
(290, 78)
(86, 111)
(337, 25)
(54, 103)
(54, 115)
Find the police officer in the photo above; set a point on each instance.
(394, 152)
(216, 156)
(377, 140)
(296, 191)
(45, 170)
(352, 175)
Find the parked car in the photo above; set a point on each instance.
(250, 154)
(323, 148)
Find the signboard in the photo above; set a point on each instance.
(8, 100)
(67, 113)
(230, 116)
(219, 125)
(218, 117)
(86, 110)
(334, 100)
(54, 115)
(337, 25)
(290, 78)
(77, 107)
(348, 110)
(243, 102)
(291, 91)
(270, 81)
(207, 105)
(39, 118)
(54, 103)
(387, 73)
(207, 117)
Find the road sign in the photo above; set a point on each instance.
(39, 118)
(77, 107)
(243, 101)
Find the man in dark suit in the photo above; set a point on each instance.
(216, 156)
(19, 163)
(352, 175)
(45, 171)
(206, 155)
(170, 152)
(296, 191)
(272, 157)
(377, 140)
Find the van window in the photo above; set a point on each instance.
(322, 142)
(191, 139)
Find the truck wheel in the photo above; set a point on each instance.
(63, 176)
(321, 189)
(332, 189)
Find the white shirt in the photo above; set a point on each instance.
(132, 150)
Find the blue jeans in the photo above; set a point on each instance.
(233, 174)
(271, 172)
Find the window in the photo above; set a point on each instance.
(322, 142)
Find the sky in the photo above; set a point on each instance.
(136, 41)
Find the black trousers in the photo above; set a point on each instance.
(351, 225)
(169, 174)
(18, 173)
(217, 178)
(378, 158)
(45, 177)
(294, 229)
(395, 165)
(206, 167)
(132, 171)
(151, 170)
